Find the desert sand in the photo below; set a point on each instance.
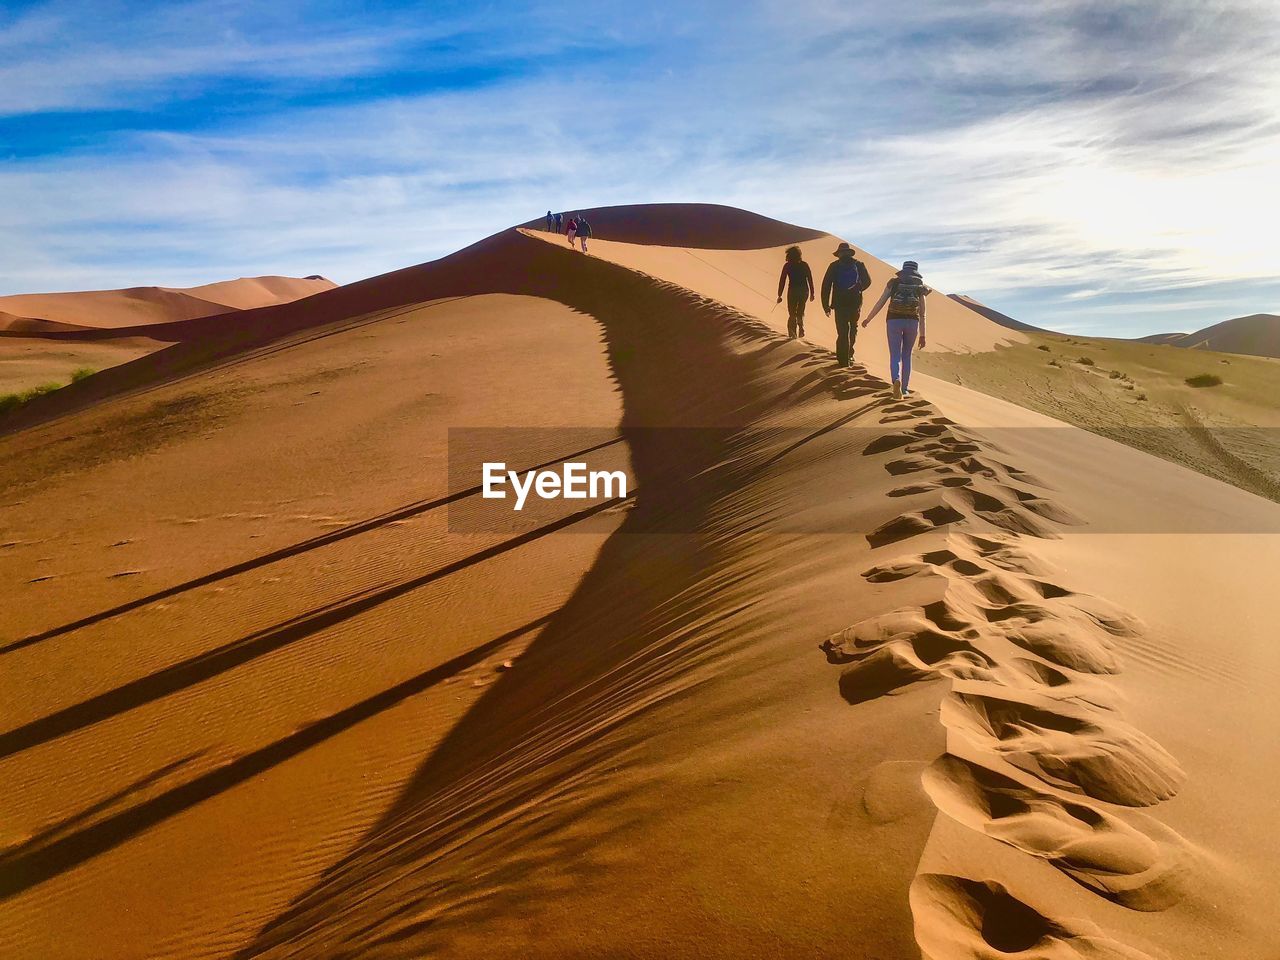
(45, 338)
(843, 676)
(137, 306)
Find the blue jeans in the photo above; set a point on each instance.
(902, 339)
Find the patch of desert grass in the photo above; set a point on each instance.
(11, 401)
(80, 374)
(1085, 361)
(1203, 380)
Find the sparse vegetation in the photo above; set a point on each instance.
(78, 375)
(1086, 361)
(1054, 363)
(1140, 396)
(1116, 375)
(1044, 347)
(1204, 380)
(11, 401)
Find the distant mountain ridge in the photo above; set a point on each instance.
(1257, 335)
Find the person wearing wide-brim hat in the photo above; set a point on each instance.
(842, 287)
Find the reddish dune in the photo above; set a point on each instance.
(695, 225)
(136, 306)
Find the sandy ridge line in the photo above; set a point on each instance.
(630, 639)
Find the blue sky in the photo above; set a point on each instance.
(1103, 168)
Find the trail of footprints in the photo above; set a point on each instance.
(1039, 757)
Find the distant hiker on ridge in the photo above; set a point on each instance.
(801, 289)
(842, 288)
(551, 221)
(571, 229)
(905, 294)
(559, 223)
(584, 231)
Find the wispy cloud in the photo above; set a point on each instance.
(1061, 159)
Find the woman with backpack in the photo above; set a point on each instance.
(905, 293)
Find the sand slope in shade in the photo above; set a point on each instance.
(844, 673)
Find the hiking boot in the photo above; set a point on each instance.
(897, 390)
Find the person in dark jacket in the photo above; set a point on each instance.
(584, 231)
(802, 289)
(559, 223)
(551, 221)
(905, 293)
(842, 288)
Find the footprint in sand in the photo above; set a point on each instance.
(961, 919)
(1074, 748)
(913, 524)
(1142, 869)
(892, 651)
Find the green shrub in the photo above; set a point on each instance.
(78, 375)
(11, 401)
(1204, 380)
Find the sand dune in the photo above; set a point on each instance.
(995, 316)
(44, 338)
(937, 678)
(137, 306)
(1256, 335)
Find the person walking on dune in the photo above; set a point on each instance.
(905, 293)
(559, 223)
(571, 229)
(551, 221)
(802, 289)
(584, 231)
(842, 288)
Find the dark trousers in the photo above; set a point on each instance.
(795, 315)
(846, 331)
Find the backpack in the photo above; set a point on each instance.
(908, 294)
(851, 276)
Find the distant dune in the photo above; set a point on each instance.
(1165, 339)
(840, 675)
(691, 225)
(1257, 335)
(137, 306)
(995, 316)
